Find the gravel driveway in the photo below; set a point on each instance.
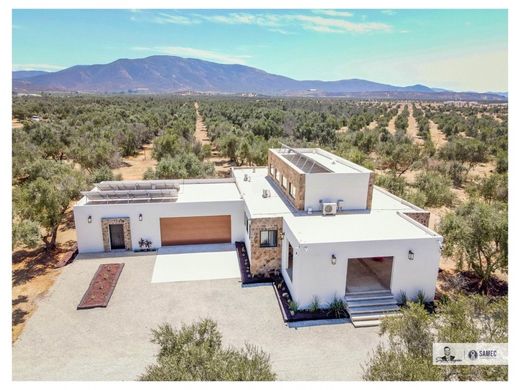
(62, 343)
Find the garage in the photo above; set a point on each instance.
(213, 229)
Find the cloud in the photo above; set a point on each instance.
(324, 21)
(46, 67)
(321, 24)
(332, 12)
(166, 18)
(191, 52)
(161, 17)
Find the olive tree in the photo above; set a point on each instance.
(44, 200)
(475, 234)
(406, 353)
(195, 353)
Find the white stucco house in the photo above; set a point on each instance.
(313, 216)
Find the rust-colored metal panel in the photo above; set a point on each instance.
(196, 230)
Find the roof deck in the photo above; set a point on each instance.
(316, 160)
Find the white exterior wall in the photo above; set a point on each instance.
(246, 240)
(352, 188)
(314, 274)
(90, 237)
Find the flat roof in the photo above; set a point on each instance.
(354, 227)
(208, 192)
(252, 190)
(179, 191)
(383, 200)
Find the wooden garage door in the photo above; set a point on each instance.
(196, 230)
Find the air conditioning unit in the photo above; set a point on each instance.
(329, 208)
(266, 193)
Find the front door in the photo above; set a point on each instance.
(117, 236)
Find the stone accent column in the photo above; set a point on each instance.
(106, 222)
(265, 260)
(370, 190)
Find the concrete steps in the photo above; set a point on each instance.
(368, 308)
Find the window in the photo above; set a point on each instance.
(246, 222)
(284, 182)
(271, 170)
(277, 175)
(290, 257)
(268, 238)
(292, 190)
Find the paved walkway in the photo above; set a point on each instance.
(62, 343)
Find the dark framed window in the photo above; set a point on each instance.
(268, 238)
(292, 190)
(246, 222)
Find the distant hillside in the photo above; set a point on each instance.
(171, 74)
(25, 74)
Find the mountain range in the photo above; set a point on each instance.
(172, 74)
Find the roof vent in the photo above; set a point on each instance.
(246, 177)
(266, 193)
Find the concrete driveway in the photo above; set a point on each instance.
(62, 343)
(196, 262)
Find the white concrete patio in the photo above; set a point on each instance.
(184, 263)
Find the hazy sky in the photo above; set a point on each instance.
(455, 49)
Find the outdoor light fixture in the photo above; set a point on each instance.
(282, 235)
(333, 259)
(89, 219)
(140, 217)
(410, 255)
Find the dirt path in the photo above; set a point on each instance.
(134, 167)
(17, 124)
(222, 164)
(34, 273)
(372, 125)
(413, 129)
(438, 137)
(391, 123)
(201, 133)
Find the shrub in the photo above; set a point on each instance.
(315, 304)
(293, 306)
(337, 307)
(436, 189)
(405, 352)
(195, 353)
(502, 163)
(103, 173)
(393, 183)
(494, 187)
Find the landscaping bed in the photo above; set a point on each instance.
(290, 315)
(245, 268)
(102, 286)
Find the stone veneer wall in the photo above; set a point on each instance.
(295, 178)
(265, 260)
(423, 217)
(370, 190)
(106, 222)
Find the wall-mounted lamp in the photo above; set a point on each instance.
(89, 219)
(140, 217)
(333, 259)
(282, 235)
(410, 255)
